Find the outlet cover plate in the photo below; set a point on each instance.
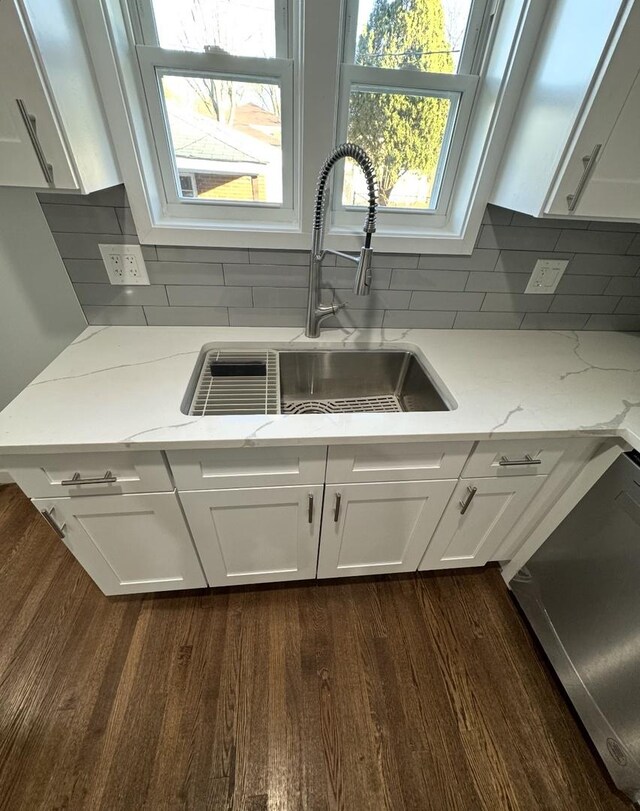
(545, 275)
(124, 264)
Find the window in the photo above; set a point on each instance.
(408, 79)
(224, 110)
(218, 86)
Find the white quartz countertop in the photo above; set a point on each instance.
(122, 388)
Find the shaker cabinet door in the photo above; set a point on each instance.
(379, 528)
(128, 544)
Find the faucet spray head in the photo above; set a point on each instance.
(362, 285)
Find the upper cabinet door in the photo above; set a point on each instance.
(256, 535)
(53, 130)
(479, 516)
(379, 528)
(31, 150)
(128, 544)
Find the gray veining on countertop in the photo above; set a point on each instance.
(122, 387)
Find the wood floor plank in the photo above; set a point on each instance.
(419, 692)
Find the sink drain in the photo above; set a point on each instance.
(376, 405)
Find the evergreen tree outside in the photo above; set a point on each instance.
(401, 132)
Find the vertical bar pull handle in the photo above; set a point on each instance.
(336, 508)
(48, 517)
(310, 508)
(30, 124)
(466, 501)
(588, 162)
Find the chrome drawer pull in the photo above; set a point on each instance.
(30, 125)
(589, 161)
(528, 460)
(310, 513)
(465, 503)
(48, 517)
(108, 478)
(336, 508)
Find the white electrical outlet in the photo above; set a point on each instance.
(545, 275)
(124, 264)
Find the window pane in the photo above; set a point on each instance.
(226, 138)
(407, 137)
(238, 27)
(425, 35)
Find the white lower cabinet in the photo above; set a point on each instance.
(479, 516)
(256, 534)
(380, 527)
(129, 543)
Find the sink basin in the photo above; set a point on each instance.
(232, 380)
(343, 381)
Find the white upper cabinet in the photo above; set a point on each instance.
(53, 133)
(573, 147)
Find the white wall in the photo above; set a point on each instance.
(39, 312)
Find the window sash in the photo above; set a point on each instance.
(155, 61)
(146, 32)
(473, 44)
(461, 88)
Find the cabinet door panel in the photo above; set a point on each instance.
(379, 528)
(222, 468)
(256, 535)
(396, 462)
(20, 78)
(471, 537)
(129, 544)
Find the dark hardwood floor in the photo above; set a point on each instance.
(415, 692)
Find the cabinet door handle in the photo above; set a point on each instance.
(108, 478)
(30, 125)
(528, 460)
(588, 162)
(48, 517)
(336, 508)
(310, 508)
(466, 501)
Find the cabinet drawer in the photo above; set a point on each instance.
(50, 475)
(247, 467)
(514, 457)
(396, 462)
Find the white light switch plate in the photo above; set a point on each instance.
(124, 264)
(545, 275)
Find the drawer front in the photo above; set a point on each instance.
(247, 467)
(85, 474)
(396, 462)
(514, 457)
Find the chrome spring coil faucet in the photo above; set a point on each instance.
(316, 312)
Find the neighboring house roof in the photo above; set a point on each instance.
(199, 137)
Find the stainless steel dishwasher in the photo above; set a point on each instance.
(581, 594)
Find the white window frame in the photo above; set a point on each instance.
(460, 87)
(154, 62)
(315, 48)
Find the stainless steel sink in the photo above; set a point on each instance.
(346, 381)
(264, 380)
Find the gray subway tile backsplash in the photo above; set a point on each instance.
(121, 295)
(193, 295)
(197, 273)
(262, 287)
(128, 316)
(187, 316)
